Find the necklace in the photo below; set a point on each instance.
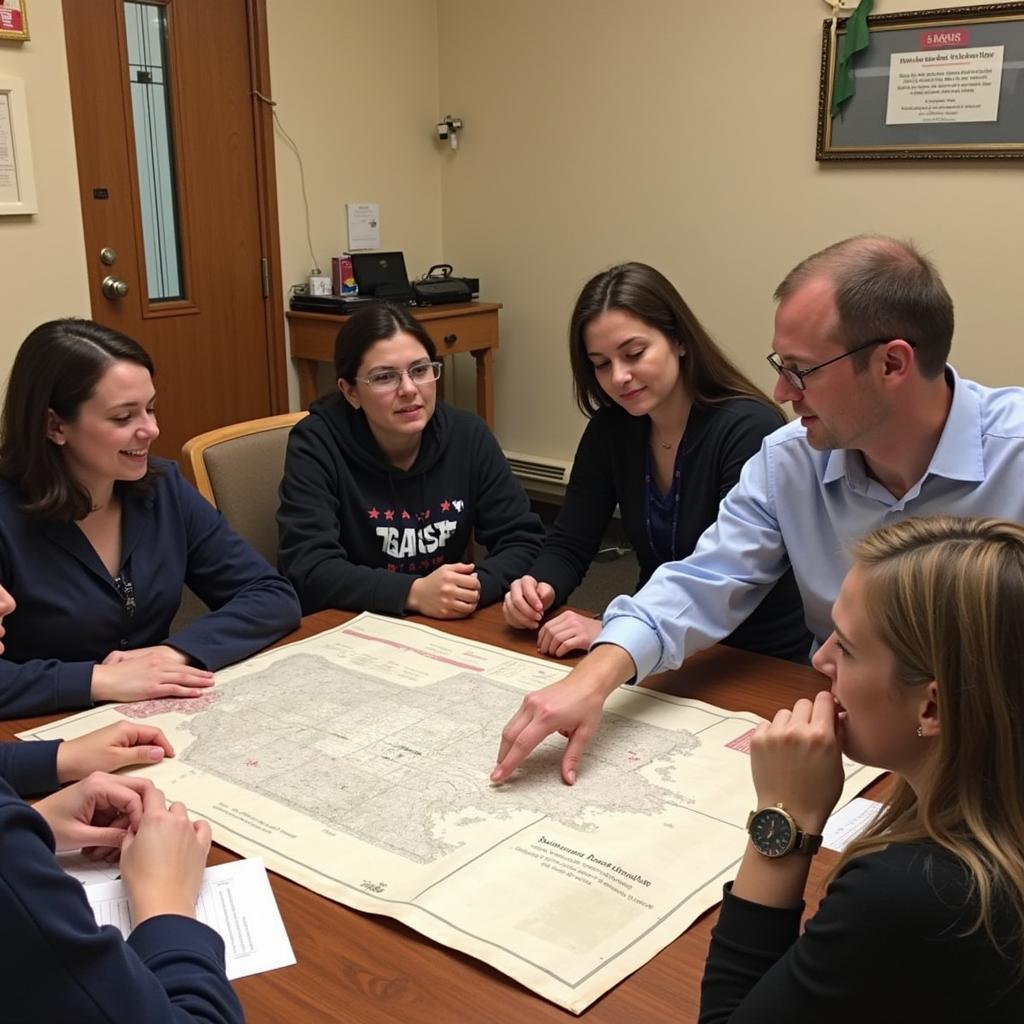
(670, 500)
(667, 446)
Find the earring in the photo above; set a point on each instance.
(920, 732)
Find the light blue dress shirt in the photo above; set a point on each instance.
(797, 506)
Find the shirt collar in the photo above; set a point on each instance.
(839, 465)
(958, 455)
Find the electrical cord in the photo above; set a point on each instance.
(612, 553)
(302, 172)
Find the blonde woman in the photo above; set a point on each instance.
(924, 917)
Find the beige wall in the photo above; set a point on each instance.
(356, 88)
(593, 134)
(42, 257)
(681, 134)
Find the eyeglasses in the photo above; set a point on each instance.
(389, 380)
(795, 378)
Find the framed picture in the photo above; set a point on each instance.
(943, 84)
(17, 186)
(13, 20)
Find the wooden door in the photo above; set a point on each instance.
(175, 167)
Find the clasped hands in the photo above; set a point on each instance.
(163, 853)
(524, 606)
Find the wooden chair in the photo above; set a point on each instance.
(237, 469)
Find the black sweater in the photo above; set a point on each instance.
(886, 945)
(355, 531)
(608, 470)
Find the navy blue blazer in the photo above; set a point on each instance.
(30, 767)
(59, 965)
(70, 614)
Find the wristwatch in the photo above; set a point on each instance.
(774, 833)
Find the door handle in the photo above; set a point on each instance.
(113, 288)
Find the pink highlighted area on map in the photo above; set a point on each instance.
(168, 705)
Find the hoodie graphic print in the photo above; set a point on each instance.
(416, 541)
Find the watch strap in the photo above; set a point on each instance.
(806, 843)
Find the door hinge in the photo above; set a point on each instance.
(265, 276)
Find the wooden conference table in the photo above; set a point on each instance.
(361, 969)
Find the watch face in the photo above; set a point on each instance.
(771, 832)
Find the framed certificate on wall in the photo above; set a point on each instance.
(17, 187)
(13, 20)
(943, 84)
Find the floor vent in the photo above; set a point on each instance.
(534, 467)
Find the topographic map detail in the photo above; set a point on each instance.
(403, 768)
(355, 762)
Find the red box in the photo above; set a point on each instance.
(343, 281)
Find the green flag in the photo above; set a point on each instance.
(855, 40)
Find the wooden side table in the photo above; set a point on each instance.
(472, 327)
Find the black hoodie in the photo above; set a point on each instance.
(355, 531)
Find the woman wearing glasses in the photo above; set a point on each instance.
(97, 538)
(924, 916)
(672, 421)
(384, 486)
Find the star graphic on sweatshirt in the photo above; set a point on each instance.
(389, 515)
(445, 505)
(373, 513)
(405, 514)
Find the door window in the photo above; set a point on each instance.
(149, 77)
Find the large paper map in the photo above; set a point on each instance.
(355, 763)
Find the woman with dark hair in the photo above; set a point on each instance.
(672, 421)
(58, 964)
(384, 486)
(97, 538)
(924, 915)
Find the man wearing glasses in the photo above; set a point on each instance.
(886, 430)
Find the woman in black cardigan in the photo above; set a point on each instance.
(672, 421)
